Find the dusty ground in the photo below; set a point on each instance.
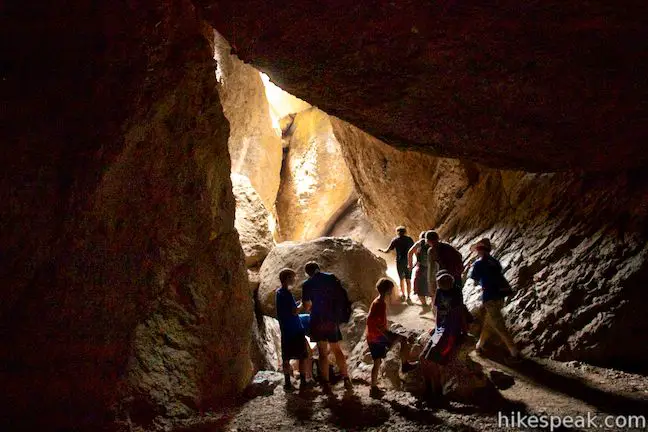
(540, 387)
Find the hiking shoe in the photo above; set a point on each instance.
(402, 297)
(288, 387)
(348, 384)
(408, 366)
(409, 301)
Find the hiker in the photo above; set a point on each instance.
(487, 273)
(420, 250)
(293, 339)
(448, 258)
(379, 338)
(324, 297)
(402, 243)
(447, 335)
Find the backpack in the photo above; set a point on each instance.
(343, 306)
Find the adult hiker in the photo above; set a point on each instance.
(402, 243)
(447, 335)
(448, 258)
(323, 297)
(487, 273)
(420, 250)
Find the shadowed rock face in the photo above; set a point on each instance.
(573, 244)
(122, 275)
(532, 85)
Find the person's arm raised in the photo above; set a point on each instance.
(410, 254)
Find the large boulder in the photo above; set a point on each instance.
(316, 184)
(252, 221)
(356, 266)
(266, 344)
(254, 143)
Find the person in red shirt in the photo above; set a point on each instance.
(379, 338)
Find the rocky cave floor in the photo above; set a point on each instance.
(534, 386)
(540, 387)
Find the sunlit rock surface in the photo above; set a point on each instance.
(352, 263)
(316, 184)
(532, 85)
(252, 221)
(254, 143)
(400, 187)
(123, 278)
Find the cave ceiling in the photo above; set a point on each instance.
(533, 85)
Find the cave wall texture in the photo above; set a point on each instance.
(255, 147)
(522, 85)
(574, 244)
(122, 274)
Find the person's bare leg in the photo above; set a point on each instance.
(408, 282)
(322, 348)
(374, 372)
(402, 287)
(287, 370)
(340, 359)
(496, 321)
(309, 363)
(435, 372)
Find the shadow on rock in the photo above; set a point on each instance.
(300, 406)
(350, 412)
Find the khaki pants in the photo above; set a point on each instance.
(494, 323)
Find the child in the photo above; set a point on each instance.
(293, 338)
(379, 338)
(447, 334)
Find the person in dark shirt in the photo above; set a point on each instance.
(293, 338)
(487, 273)
(448, 258)
(447, 335)
(402, 243)
(321, 296)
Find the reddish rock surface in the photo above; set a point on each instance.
(525, 85)
(122, 275)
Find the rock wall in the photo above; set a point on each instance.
(252, 222)
(254, 144)
(543, 86)
(573, 244)
(398, 187)
(122, 274)
(316, 184)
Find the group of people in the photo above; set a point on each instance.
(438, 274)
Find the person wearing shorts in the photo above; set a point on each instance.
(402, 243)
(379, 338)
(319, 293)
(293, 338)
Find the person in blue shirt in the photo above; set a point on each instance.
(487, 272)
(321, 296)
(293, 339)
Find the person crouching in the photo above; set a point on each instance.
(447, 335)
(379, 338)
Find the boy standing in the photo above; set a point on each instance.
(379, 338)
(293, 338)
